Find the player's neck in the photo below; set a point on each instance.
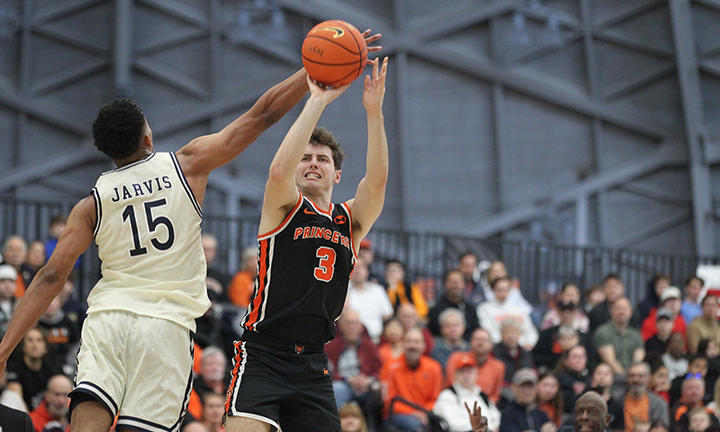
(140, 154)
(320, 199)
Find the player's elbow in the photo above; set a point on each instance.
(277, 173)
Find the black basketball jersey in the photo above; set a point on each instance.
(304, 266)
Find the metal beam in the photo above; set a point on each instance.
(692, 100)
(69, 76)
(632, 9)
(179, 10)
(655, 228)
(171, 77)
(656, 195)
(57, 10)
(637, 81)
(56, 115)
(668, 153)
(166, 42)
(87, 45)
(552, 93)
(401, 111)
(123, 48)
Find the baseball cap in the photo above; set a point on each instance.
(365, 244)
(664, 313)
(670, 292)
(7, 272)
(465, 360)
(524, 375)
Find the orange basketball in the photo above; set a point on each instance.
(334, 53)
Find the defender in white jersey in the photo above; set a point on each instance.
(136, 356)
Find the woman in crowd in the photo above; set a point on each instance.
(550, 398)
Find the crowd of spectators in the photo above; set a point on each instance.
(403, 361)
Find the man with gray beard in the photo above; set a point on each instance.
(641, 406)
(54, 407)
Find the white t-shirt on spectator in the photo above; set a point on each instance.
(372, 304)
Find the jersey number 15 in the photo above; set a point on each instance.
(152, 223)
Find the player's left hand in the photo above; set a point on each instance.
(371, 39)
(374, 91)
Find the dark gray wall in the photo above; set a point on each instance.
(561, 120)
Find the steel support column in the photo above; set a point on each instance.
(123, 47)
(689, 80)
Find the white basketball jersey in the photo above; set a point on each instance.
(148, 238)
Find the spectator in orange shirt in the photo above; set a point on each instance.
(402, 292)
(54, 407)
(415, 378)
(391, 347)
(242, 284)
(491, 371)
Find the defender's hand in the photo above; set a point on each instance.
(374, 91)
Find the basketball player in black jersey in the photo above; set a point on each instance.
(307, 249)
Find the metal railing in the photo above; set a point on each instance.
(541, 268)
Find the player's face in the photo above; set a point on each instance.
(316, 171)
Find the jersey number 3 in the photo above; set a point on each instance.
(326, 268)
(152, 223)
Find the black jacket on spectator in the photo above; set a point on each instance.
(33, 383)
(547, 352)
(524, 359)
(12, 420)
(569, 380)
(517, 418)
(649, 302)
(468, 309)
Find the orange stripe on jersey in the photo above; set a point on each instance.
(317, 207)
(237, 361)
(286, 220)
(262, 281)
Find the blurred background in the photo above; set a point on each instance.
(569, 138)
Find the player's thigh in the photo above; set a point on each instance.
(244, 424)
(90, 416)
(158, 375)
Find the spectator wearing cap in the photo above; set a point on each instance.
(691, 305)
(522, 414)
(490, 371)
(452, 327)
(657, 344)
(706, 325)
(454, 298)
(366, 254)
(450, 404)
(669, 299)
(8, 276)
(569, 294)
(560, 337)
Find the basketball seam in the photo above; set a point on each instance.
(333, 42)
(329, 64)
(360, 51)
(341, 78)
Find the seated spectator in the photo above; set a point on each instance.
(351, 418)
(691, 305)
(602, 381)
(697, 368)
(217, 281)
(213, 378)
(8, 276)
(408, 317)
(493, 312)
(509, 350)
(641, 405)
(656, 345)
(593, 297)
(453, 298)
(613, 289)
(514, 298)
(569, 295)
(474, 291)
(490, 371)
(674, 357)
(369, 300)
(655, 289)
(14, 254)
(550, 399)
(572, 375)
(714, 405)
(522, 414)
(618, 344)
(693, 390)
(73, 308)
(213, 412)
(556, 339)
(450, 404)
(63, 336)
(54, 407)
(29, 373)
(709, 349)
(670, 299)
(392, 347)
(452, 328)
(659, 382)
(242, 284)
(35, 260)
(354, 362)
(700, 420)
(401, 292)
(705, 326)
(366, 254)
(415, 378)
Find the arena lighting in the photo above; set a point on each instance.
(7, 24)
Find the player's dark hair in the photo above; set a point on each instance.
(118, 128)
(322, 136)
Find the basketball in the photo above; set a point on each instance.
(334, 53)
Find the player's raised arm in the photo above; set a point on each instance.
(369, 198)
(280, 190)
(50, 279)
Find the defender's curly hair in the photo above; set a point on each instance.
(322, 136)
(118, 128)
